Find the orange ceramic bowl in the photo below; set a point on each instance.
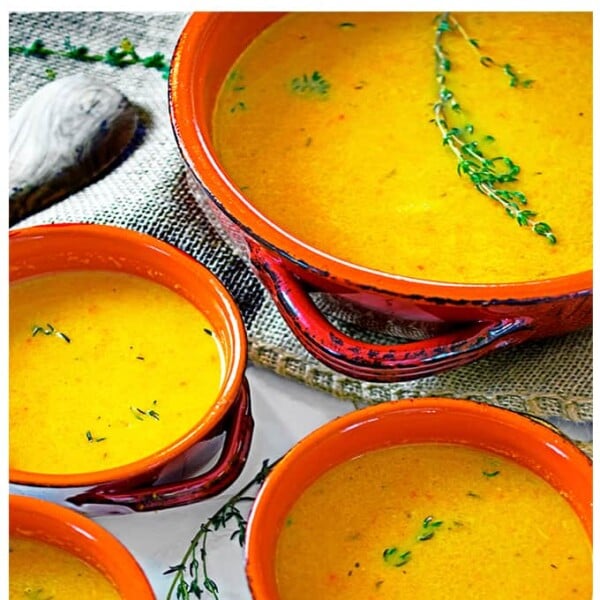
(531, 443)
(82, 537)
(468, 321)
(51, 248)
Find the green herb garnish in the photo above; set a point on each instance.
(491, 473)
(140, 413)
(238, 106)
(191, 578)
(396, 558)
(314, 84)
(91, 438)
(49, 330)
(486, 173)
(123, 55)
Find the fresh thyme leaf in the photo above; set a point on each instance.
(347, 25)
(136, 413)
(314, 84)
(238, 106)
(395, 558)
(91, 438)
(140, 413)
(49, 330)
(491, 473)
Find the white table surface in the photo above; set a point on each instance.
(284, 412)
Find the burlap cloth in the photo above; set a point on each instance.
(147, 191)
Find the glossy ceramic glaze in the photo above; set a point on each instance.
(468, 320)
(156, 480)
(82, 537)
(531, 443)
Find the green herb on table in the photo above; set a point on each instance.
(310, 85)
(191, 578)
(347, 25)
(49, 330)
(488, 174)
(123, 55)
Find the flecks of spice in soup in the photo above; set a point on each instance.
(435, 521)
(105, 368)
(325, 123)
(42, 571)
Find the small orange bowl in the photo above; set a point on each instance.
(531, 443)
(54, 248)
(82, 537)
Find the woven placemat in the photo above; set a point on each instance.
(148, 191)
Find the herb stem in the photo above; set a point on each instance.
(480, 169)
(180, 586)
(123, 55)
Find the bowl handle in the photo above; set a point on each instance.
(378, 362)
(238, 425)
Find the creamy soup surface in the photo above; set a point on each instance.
(105, 368)
(41, 571)
(434, 521)
(325, 123)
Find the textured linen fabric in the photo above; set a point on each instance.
(148, 191)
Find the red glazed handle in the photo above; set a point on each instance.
(239, 426)
(378, 362)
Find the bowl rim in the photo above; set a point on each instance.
(117, 564)
(199, 155)
(556, 442)
(233, 374)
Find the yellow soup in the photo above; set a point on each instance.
(41, 571)
(327, 124)
(432, 521)
(105, 368)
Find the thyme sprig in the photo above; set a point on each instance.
(486, 61)
(123, 55)
(483, 171)
(191, 577)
